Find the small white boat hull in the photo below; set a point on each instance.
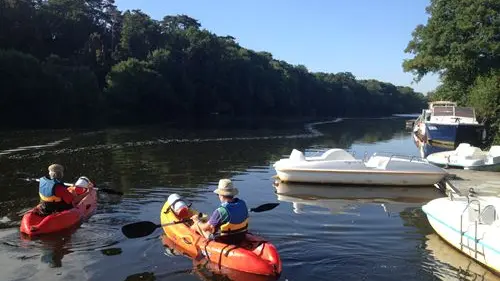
(468, 157)
(343, 168)
(444, 215)
(360, 178)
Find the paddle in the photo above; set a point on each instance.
(264, 207)
(144, 228)
(100, 189)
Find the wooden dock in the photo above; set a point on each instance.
(483, 182)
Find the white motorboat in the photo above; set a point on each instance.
(470, 223)
(346, 199)
(336, 166)
(444, 125)
(468, 157)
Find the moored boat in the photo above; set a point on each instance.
(470, 224)
(336, 166)
(444, 125)
(254, 255)
(468, 157)
(33, 223)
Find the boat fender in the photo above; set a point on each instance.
(177, 205)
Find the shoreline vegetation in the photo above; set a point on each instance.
(79, 63)
(461, 43)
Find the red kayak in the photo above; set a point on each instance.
(33, 224)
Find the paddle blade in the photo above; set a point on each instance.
(109, 191)
(264, 207)
(139, 229)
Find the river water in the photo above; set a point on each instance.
(341, 233)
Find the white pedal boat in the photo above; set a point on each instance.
(471, 224)
(468, 157)
(336, 166)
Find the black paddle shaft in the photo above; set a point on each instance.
(144, 228)
(101, 189)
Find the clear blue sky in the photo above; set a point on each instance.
(364, 37)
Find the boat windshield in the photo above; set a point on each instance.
(467, 112)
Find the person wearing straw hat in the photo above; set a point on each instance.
(229, 222)
(54, 194)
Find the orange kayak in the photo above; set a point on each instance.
(33, 224)
(254, 255)
(213, 271)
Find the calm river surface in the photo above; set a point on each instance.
(321, 233)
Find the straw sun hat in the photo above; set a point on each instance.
(226, 188)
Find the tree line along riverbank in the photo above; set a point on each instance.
(67, 63)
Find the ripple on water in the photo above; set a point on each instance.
(83, 238)
(55, 251)
(311, 132)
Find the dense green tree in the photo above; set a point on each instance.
(461, 42)
(139, 35)
(87, 61)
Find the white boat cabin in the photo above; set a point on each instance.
(447, 112)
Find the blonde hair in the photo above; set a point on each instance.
(56, 171)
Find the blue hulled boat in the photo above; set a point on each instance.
(444, 125)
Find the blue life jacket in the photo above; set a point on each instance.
(46, 190)
(235, 216)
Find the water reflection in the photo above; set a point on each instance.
(53, 247)
(128, 159)
(346, 199)
(450, 264)
(148, 165)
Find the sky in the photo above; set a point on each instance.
(364, 37)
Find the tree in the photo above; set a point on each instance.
(93, 61)
(140, 35)
(461, 42)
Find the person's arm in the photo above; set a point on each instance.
(62, 192)
(68, 197)
(210, 224)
